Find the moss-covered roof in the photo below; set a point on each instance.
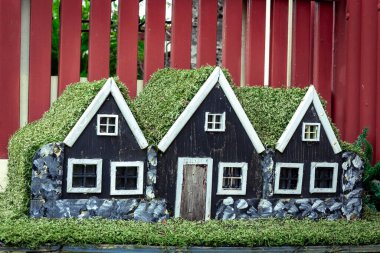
(169, 91)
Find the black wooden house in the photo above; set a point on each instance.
(307, 160)
(105, 152)
(210, 152)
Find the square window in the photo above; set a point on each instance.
(232, 178)
(107, 124)
(288, 178)
(127, 178)
(323, 177)
(311, 131)
(84, 175)
(215, 122)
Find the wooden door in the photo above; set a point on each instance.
(193, 199)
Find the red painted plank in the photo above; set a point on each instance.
(99, 39)
(279, 43)
(181, 34)
(154, 37)
(352, 126)
(10, 28)
(69, 43)
(206, 51)
(377, 144)
(323, 46)
(339, 84)
(39, 58)
(368, 68)
(301, 59)
(255, 45)
(232, 21)
(127, 44)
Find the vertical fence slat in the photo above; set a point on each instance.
(127, 44)
(181, 34)
(232, 23)
(279, 43)
(351, 127)
(339, 83)
(154, 37)
(255, 42)
(377, 112)
(301, 62)
(99, 39)
(368, 74)
(323, 50)
(39, 58)
(10, 28)
(69, 43)
(207, 18)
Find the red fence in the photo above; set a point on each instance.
(332, 44)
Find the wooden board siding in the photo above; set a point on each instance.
(233, 145)
(298, 151)
(110, 148)
(193, 200)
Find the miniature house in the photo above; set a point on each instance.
(104, 154)
(212, 150)
(209, 163)
(307, 160)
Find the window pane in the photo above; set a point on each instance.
(120, 171)
(288, 178)
(120, 183)
(78, 169)
(210, 118)
(90, 182)
(90, 169)
(111, 120)
(218, 118)
(132, 172)
(218, 126)
(103, 129)
(323, 177)
(103, 120)
(131, 184)
(111, 130)
(78, 182)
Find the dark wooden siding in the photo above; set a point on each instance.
(233, 145)
(299, 151)
(123, 147)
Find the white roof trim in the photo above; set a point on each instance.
(109, 87)
(310, 97)
(216, 75)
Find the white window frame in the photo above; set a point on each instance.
(242, 191)
(140, 178)
(311, 124)
(99, 116)
(222, 122)
(70, 170)
(277, 189)
(313, 167)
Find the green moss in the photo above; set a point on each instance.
(263, 232)
(270, 109)
(52, 127)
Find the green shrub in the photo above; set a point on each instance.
(371, 177)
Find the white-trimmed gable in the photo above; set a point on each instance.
(109, 87)
(216, 76)
(311, 97)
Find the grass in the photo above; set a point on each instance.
(32, 233)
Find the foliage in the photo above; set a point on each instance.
(85, 40)
(371, 177)
(176, 232)
(52, 127)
